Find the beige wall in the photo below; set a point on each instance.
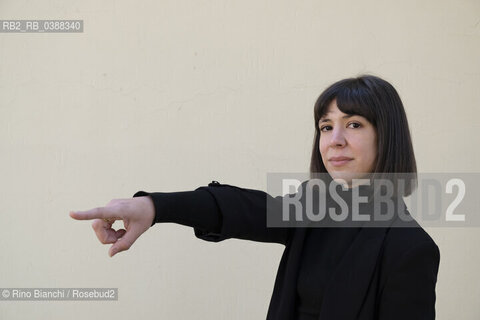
(169, 95)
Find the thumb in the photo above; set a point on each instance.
(125, 242)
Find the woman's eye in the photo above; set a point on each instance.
(354, 124)
(324, 128)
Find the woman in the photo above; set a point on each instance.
(325, 273)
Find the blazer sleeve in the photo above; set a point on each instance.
(409, 291)
(218, 212)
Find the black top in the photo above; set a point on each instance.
(323, 250)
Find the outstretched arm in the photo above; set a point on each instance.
(216, 212)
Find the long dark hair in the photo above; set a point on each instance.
(378, 101)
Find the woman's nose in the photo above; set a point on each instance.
(337, 138)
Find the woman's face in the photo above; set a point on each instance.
(348, 144)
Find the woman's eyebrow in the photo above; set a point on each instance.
(344, 117)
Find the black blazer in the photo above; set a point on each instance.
(388, 273)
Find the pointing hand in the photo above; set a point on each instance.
(137, 215)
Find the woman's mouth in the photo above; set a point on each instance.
(339, 161)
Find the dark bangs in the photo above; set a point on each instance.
(352, 98)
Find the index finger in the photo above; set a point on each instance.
(95, 213)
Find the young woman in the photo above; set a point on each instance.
(385, 273)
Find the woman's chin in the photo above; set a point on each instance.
(347, 178)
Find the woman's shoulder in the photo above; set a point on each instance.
(407, 232)
(406, 239)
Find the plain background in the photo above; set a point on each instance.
(169, 95)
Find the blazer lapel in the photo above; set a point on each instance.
(346, 290)
(344, 295)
